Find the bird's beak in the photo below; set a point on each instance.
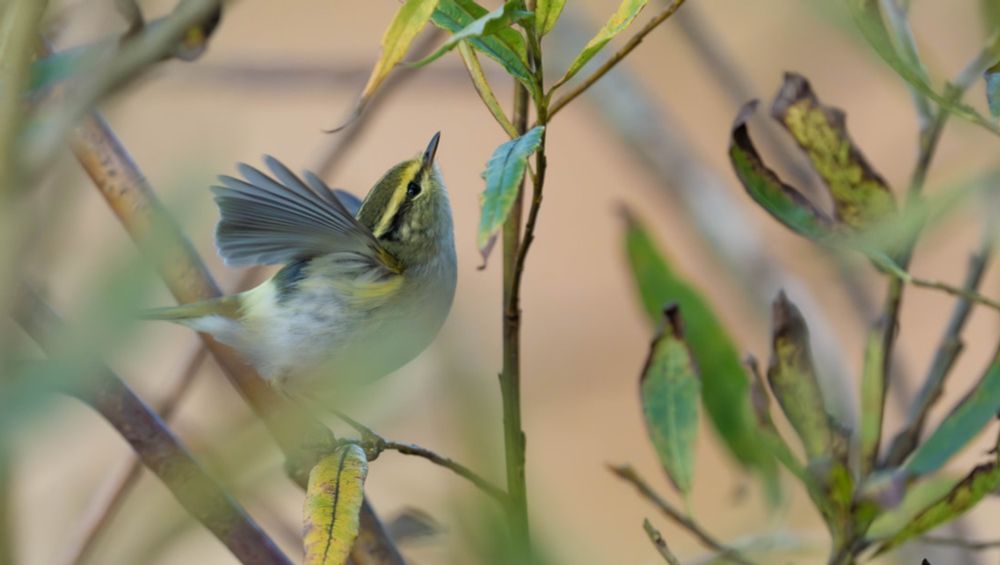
(431, 150)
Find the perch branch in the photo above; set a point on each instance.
(376, 444)
(628, 474)
(962, 543)
(659, 543)
(159, 449)
(632, 43)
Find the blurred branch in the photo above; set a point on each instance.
(628, 474)
(374, 444)
(6, 506)
(344, 138)
(962, 543)
(19, 21)
(159, 449)
(659, 543)
(110, 496)
(656, 140)
(947, 352)
(610, 63)
(897, 14)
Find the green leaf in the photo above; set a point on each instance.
(669, 389)
(547, 13)
(867, 16)
(872, 398)
(506, 46)
(918, 496)
(333, 503)
(504, 173)
(783, 202)
(623, 16)
(983, 480)
(861, 197)
(487, 25)
(484, 89)
(793, 380)
(958, 428)
(410, 19)
(992, 77)
(725, 386)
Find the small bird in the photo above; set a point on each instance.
(365, 286)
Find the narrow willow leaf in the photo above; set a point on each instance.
(792, 377)
(547, 13)
(992, 77)
(965, 421)
(784, 203)
(484, 89)
(410, 19)
(503, 175)
(620, 20)
(861, 197)
(669, 389)
(333, 502)
(918, 496)
(725, 386)
(485, 26)
(983, 480)
(867, 16)
(506, 46)
(872, 398)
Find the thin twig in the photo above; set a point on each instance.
(964, 544)
(7, 536)
(659, 543)
(632, 43)
(375, 444)
(629, 475)
(110, 496)
(160, 450)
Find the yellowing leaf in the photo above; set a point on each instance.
(793, 380)
(547, 13)
(409, 20)
(503, 175)
(670, 391)
(483, 88)
(333, 502)
(782, 201)
(861, 198)
(620, 20)
(918, 496)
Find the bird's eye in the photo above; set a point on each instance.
(412, 189)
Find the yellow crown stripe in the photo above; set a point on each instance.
(398, 195)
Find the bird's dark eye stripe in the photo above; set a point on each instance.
(413, 189)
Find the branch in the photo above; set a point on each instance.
(964, 544)
(160, 451)
(659, 543)
(6, 505)
(628, 474)
(632, 43)
(374, 444)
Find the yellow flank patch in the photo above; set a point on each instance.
(370, 294)
(396, 200)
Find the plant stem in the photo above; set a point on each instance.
(632, 43)
(659, 543)
(510, 374)
(628, 474)
(6, 511)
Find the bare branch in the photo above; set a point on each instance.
(659, 543)
(160, 450)
(962, 543)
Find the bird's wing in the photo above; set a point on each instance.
(280, 219)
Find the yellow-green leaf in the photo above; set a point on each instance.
(983, 480)
(504, 173)
(619, 21)
(483, 88)
(410, 19)
(506, 46)
(669, 389)
(547, 13)
(919, 495)
(333, 502)
(726, 388)
(793, 379)
(783, 202)
(484, 26)
(872, 398)
(861, 198)
(965, 421)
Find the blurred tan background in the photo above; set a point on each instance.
(277, 73)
